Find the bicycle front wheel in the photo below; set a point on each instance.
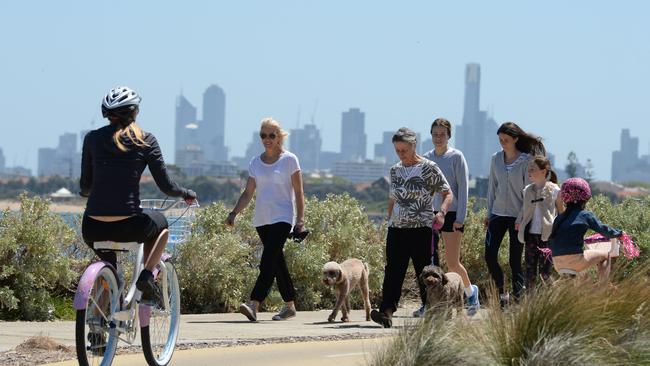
(159, 337)
(95, 335)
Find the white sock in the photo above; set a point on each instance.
(469, 291)
(505, 296)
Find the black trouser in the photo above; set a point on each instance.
(272, 264)
(537, 263)
(496, 231)
(142, 227)
(402, 245)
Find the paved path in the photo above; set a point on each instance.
(223, 328)
(340, 353)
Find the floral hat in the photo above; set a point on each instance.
(575, 190)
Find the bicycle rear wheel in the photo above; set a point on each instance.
(95, 337)
(159, 337)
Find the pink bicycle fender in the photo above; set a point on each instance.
(86, 284)
(144, 314)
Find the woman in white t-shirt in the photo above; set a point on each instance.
(276, 176)
(541, 205)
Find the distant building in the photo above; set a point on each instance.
(306, 144)
(385, 151)
(17, 172)
(328, 158)
(353, 135)
(2, 162)
(185, 115)
(213, 124)
(253, 149)
(63, 160)
(626, 164)
(476, 136)
(360, 171)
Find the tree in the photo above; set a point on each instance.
(571, 168)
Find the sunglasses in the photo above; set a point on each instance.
(272, 136)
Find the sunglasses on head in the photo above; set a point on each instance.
(271, 136)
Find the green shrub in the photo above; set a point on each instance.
(32, 264)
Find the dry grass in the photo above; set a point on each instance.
(572, 322)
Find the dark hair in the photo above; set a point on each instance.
(526, 142)
(559, 220)
(543, 162)
(442, 122)
(405, 134)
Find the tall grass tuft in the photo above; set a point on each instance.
(571, 322)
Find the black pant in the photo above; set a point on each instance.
(496, 231)
(143, 227)
(402, 245)
(272, 264)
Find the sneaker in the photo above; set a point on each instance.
(419, 312)
(151, 294)
(504, 301)
(381, 318)
(285, 313)
(248, 309)
(473, 304)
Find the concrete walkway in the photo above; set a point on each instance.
(224, 328)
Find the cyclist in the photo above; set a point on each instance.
(113, 159)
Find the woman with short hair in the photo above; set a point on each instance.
(414, 181)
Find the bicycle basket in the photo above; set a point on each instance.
(180, 217)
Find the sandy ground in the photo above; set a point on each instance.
(73, 207)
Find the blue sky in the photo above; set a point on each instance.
(573, 72)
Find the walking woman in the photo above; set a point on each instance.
(508, 177)
(454, 167)
(276, 176)
(112, 161)
(413, 182)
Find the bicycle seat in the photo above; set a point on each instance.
(118, 246)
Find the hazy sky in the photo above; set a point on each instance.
(573, 72)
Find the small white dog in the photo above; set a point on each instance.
(346, 276)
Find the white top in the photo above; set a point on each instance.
(275, 199)
(536, 221)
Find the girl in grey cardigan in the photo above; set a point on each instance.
(508, 177)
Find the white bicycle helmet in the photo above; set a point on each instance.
(118, 98)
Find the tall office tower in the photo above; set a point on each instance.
(63, 160)
(385, 150)
(306, 144)
(353, 135)
(213, 124)
(2, 162)
(476, 136)
(185, 115)
(67, 144)
(625, 159)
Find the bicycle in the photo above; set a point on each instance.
(106, 313)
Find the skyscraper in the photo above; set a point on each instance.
(185, 115)
(476, 136)
(306, 144)
(385, 151)
(63, 160)
(626, 164)
(2, 162)
(213, 124)
(353, 135)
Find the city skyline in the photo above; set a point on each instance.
(576, 83)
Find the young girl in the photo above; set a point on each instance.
(569, 228)
(541, 205)
(508, 177)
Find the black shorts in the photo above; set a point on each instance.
(448, 226)
(141, 228)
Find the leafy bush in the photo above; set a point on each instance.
(218, 266)
(33, 268)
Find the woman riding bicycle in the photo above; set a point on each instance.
(113, 159)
